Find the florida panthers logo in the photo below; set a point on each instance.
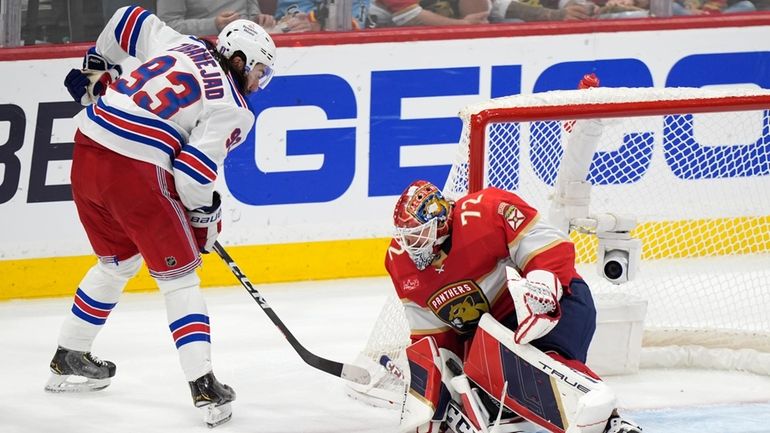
(460, 305)
(465, 312)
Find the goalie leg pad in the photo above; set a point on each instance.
(490, 364)
(428, 396)
(475, 412)
(540, 389)
(593, 411)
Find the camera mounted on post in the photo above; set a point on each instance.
(618, 254)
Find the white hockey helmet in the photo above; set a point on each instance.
(253, 42)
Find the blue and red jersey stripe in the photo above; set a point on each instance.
(136, 128)
(190, 328)
(196, 164)
(89, 309)
(128, 29)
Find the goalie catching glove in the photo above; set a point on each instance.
(536, 300)
(88, 84)
(206, 223)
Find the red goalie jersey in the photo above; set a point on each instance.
(490, 229)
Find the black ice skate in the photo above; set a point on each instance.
(73, 371)
(616, 424)
(213, 398)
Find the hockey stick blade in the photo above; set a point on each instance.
(353, 373)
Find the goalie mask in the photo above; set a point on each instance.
(421, 220)
(250, 41)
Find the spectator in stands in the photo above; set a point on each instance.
(293, 19)
(385, 13)
(316, 13)
(678, 7)
(204, 17)
(546, 10)
(701, 7)
(623, 8)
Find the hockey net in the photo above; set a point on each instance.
(692, 166)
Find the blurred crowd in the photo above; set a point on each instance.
(61, 21)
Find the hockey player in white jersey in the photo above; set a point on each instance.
(148, 150)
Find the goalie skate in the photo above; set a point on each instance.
(73, 371)
(616, 424)
(213, 398)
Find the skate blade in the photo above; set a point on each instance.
(71, 383)
(216, 415)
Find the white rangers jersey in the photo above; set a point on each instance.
(179, 110)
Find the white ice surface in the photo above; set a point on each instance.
(277, 391)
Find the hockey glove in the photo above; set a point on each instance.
(536, 300)
(206, 223)
(88, 84)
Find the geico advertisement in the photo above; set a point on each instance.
(342, 129)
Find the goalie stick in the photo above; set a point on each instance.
(349, 372)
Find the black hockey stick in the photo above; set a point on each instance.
(349, 372)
